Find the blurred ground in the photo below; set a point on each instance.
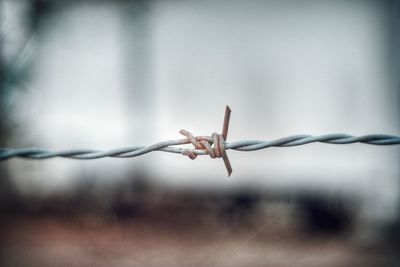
(185, 232)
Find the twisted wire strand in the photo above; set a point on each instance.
(170, 146)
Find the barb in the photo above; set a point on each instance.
(219, 140)
(215, 146)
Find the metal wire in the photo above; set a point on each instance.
(215, 146)
(169, 146)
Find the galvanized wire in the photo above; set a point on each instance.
(170, 146)
(215, 146)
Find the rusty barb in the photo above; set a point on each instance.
(213, 145)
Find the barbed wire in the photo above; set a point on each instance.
(215, 146)
(165, 146)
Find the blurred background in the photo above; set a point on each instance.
(103, 74)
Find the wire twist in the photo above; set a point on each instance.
(215, 146)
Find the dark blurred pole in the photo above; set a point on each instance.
(136, 52)
(14, 72)
(4, 180)
(3, 82)
(393, 54)
(395, 61)
(137, 59)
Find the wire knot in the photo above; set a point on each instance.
(214, 145)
